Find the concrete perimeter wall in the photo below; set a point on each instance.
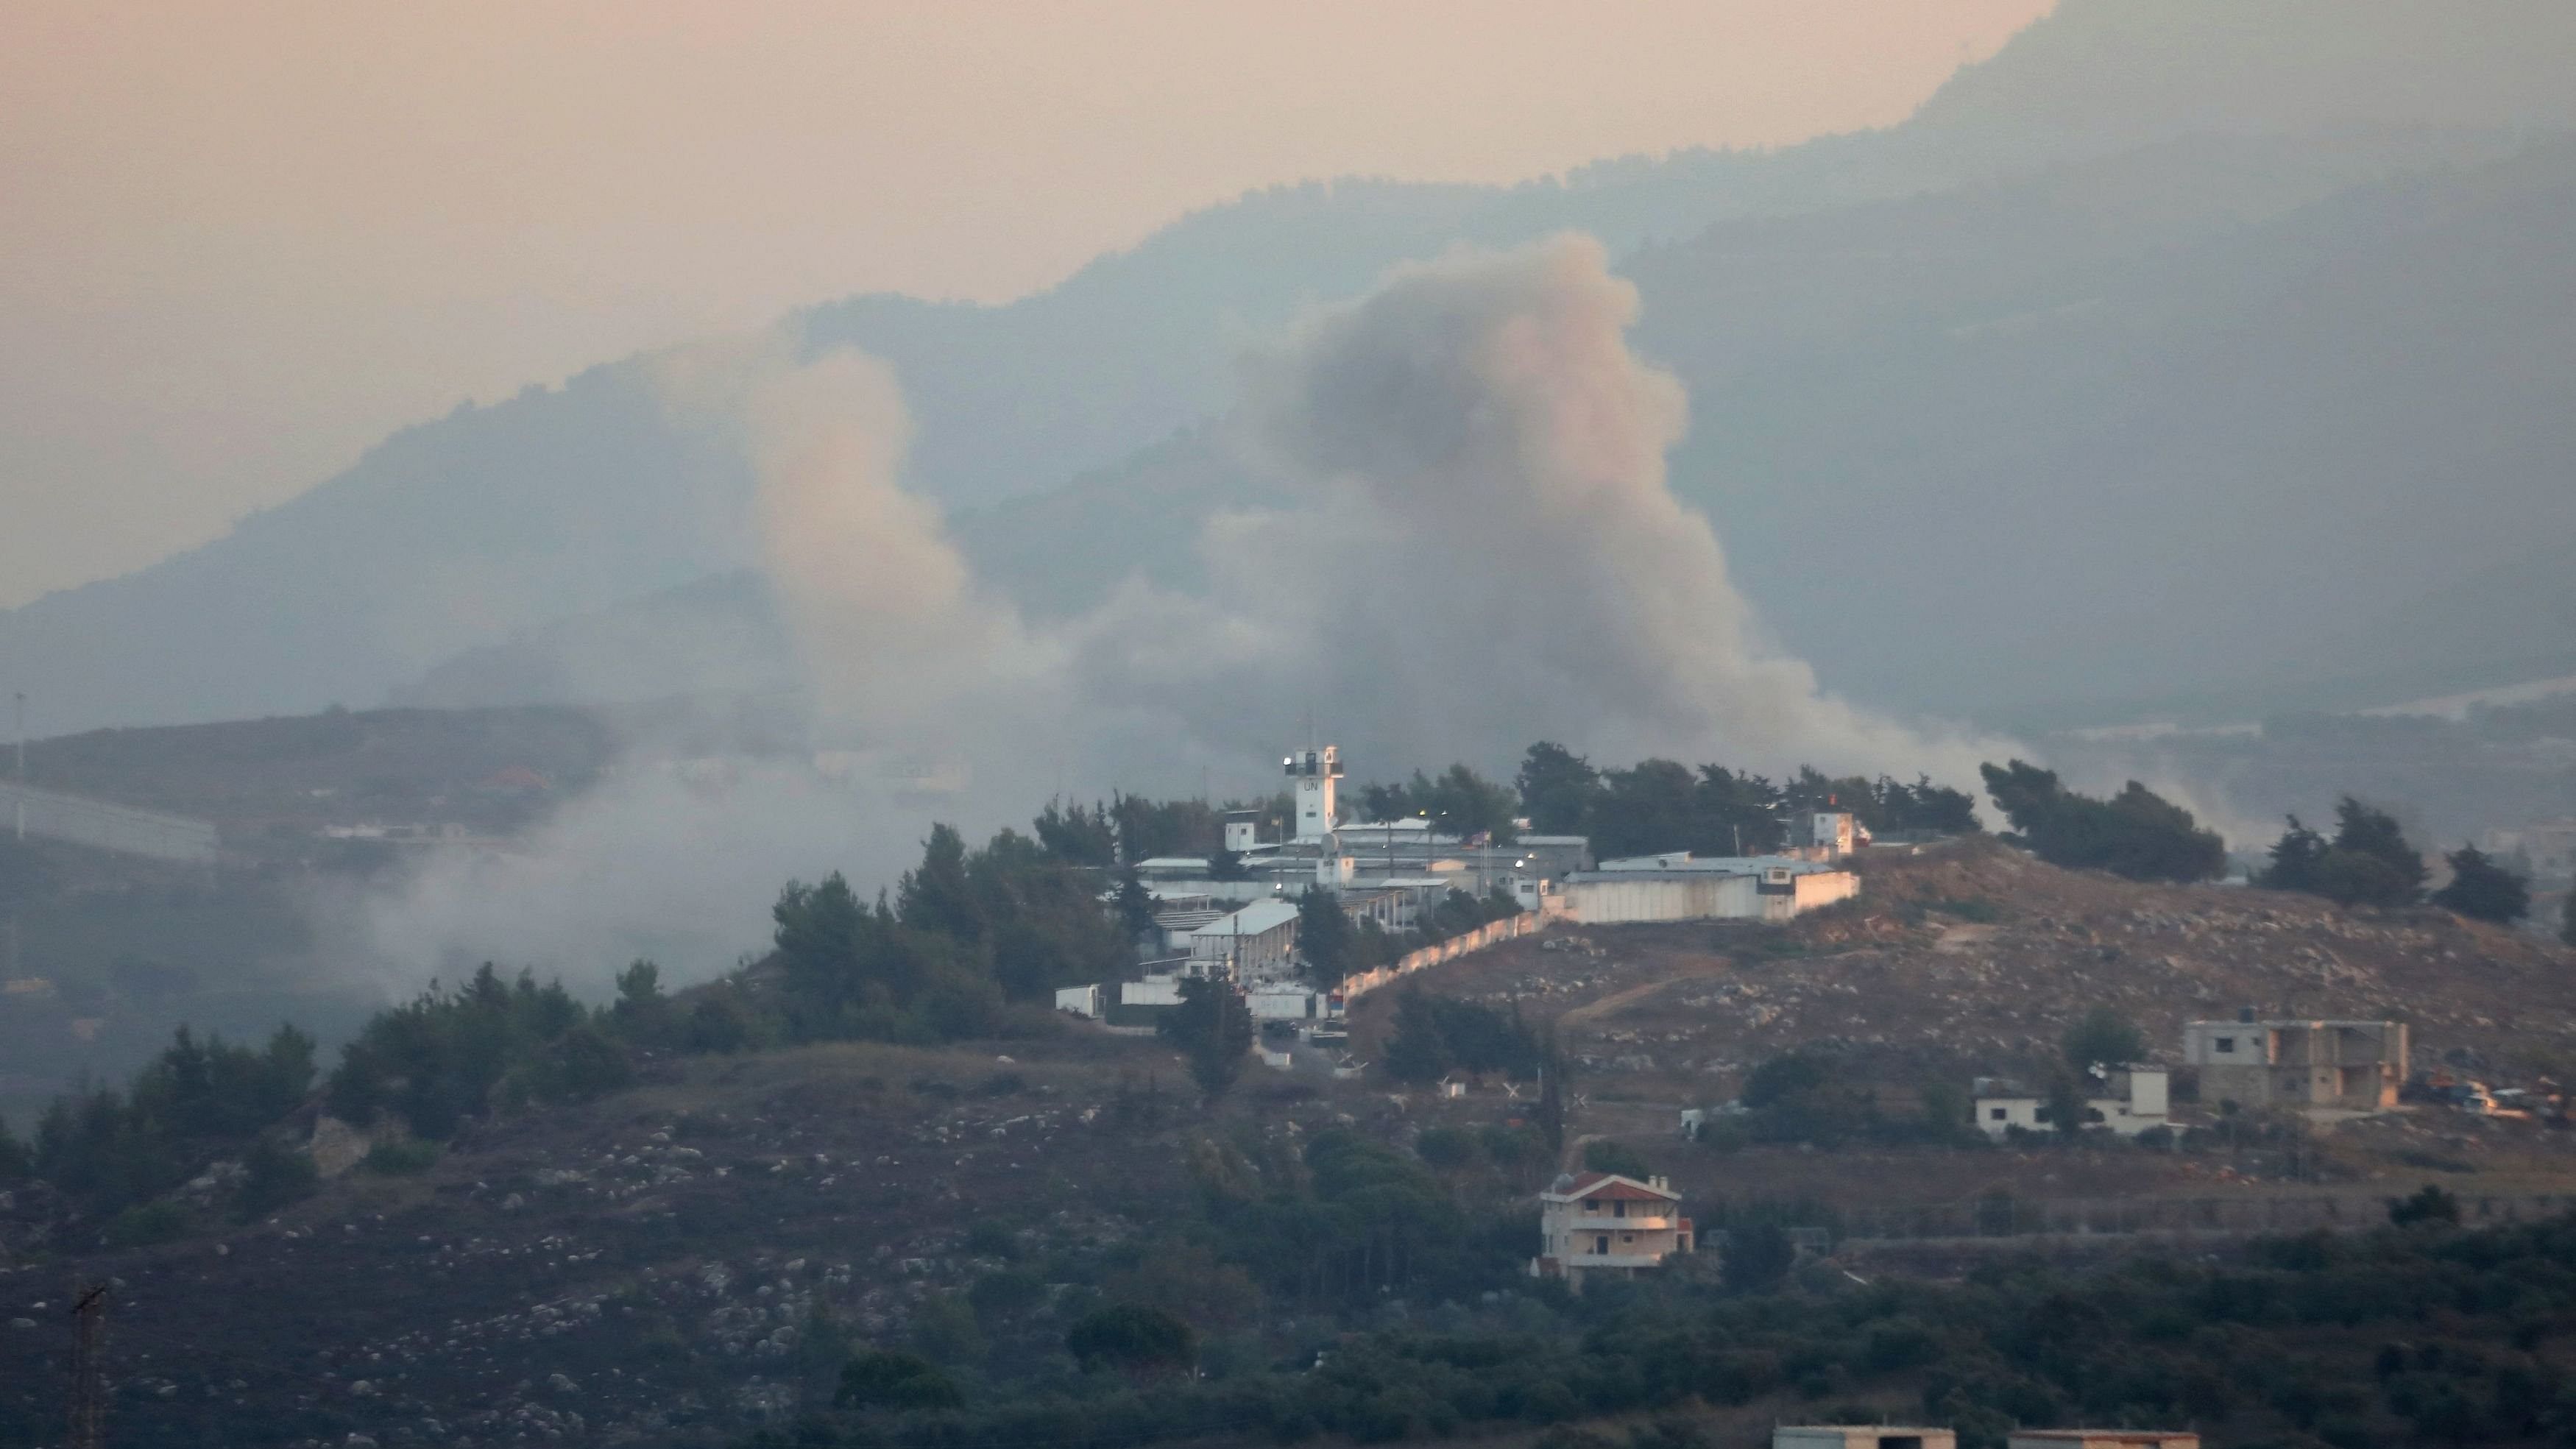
(1508, 928)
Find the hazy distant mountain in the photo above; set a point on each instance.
(2043, 451)
(1926, 363)
(2099, 74)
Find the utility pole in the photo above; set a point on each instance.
(18, 800)
(21, 697)
(89, 1374)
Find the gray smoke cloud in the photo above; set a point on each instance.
(1486, 550)
(1480, 549)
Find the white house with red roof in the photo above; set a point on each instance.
(1601, 1222)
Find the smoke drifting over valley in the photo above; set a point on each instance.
(1479, 549)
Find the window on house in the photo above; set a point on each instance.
(1627, 1237)
(1995, 1114)
(1592, 1204)
(1619, 1209)
(1601, 1244)
(2223, 1044)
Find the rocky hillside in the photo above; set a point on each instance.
(685, 1260)
(637, 1267)
(1973, 957)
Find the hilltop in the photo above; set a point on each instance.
(695, 1254)
(1972, 957)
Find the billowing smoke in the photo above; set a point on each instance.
(1486, 550)
(1480, 549)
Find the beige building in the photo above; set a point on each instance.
(1679, 886)
(2100, 1439)
(1862, 1436)
(1600, 1222)
(2128, 1100)
(2354, 1065)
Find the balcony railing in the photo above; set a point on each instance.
(1603, 1223)
(1615, 1260)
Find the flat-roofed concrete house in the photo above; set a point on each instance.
(1601, 1222)
(2354, 1065)
(1680, 886)
(2002, 1106)
(2101, 1439)
(2128, 1100)
(1862, 1436)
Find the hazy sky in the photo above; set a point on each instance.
(244, 240)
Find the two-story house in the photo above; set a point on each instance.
(2354, 1065)
(1601, 1222)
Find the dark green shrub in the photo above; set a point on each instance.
(146, 1224)
(274, 1174)
(1618, 1157)
(1139, 1340)
(2429, 1204)
(1447, 1148)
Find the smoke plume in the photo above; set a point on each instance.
(1486, 550)
(1480, 549)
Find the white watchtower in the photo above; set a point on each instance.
(1315, 771)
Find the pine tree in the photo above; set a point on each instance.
(1552, 1086)
(2296, 857)
(2371, 863)
(15, 1160)
(2483, 890)
(1214, 1028)
(1417, 1051)
(1325, 937)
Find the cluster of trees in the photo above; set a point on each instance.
(2369, 862)
(1660, 805)
(1654, 805)
(1130, 828)
(2420, 1334)
(964, 933)
(2136, 833)
(1435, 1035)
(1459, 802)
(448, 1055)
(1348, 1219)
(110, 1152)
(1811, 1096)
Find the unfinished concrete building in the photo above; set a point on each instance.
(2351, 1065)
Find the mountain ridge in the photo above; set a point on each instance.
(455, 535)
